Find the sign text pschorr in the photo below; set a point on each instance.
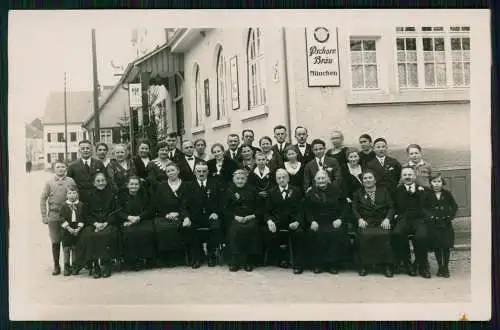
(322, 57)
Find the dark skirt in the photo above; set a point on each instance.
(98, 245)
(69, 239)
(328, 245)
(244, 238)
(440, 235)
(168, 235)
(137, 241)
(375, 246)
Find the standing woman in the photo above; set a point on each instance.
(120, 169)
(247, 158)
(373, 209)
(220, 167)
(325, 209)
(273, 159)
(294, 168)
(142, 159)
(241, 213)
(171, 219)
(352, 173)
(100, 235)
(101, 150)
(338, 150)
(137, 227)
(200, 145)
(157, 167)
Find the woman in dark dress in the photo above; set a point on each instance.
(101, 152)
(440, 209)
(325, 209)
(373, 209)
(137, 226)
(247, 158)
(141, 161)
(221, 168)
(338, 150)
(294, 168)
(157, 168)
(100, 235)
(241, 213)
(171, 219)
(120, 169)
(273, 159)
(262, 177)
(351, 173)
(366, 154)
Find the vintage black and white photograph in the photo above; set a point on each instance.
(245, 165)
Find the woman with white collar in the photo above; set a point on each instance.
(294, 168)
(273, 159)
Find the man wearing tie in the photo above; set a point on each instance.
(205, 196)
(387, 169)
(247, 136)
(187, 162)
(304, 149)
(84, 169)
(281, 144)
(174, 154)
(329, 164)
(233, 143)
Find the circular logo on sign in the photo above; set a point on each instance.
(321, 34)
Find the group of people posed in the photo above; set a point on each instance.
(289, 205)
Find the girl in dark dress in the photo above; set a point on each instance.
(325, 209)
(247, 158)
(351, 173)
(120, 169)
(366, 154)
(221, 168)
(137, 225)
(171, 219)
(200, 146)
(100, 235)
(262, 177)
(273, 159)
(338, 151)
(440, 209)
(157, 168)
(373, 209)
(294, 168)
(241, 211)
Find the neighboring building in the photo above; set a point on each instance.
(79, 105)
(34, 145)
(390, 81)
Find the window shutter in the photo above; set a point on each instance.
(48, 137)
(48, 158)
(115, 134)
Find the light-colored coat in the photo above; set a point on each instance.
(54, 196)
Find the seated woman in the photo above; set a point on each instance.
(241, 213)
(120, 169)
(171, 221)
(221, 168)
(373, 209)
(325, 208)
(294, 168)
(137, 227)
(100, 235)
(157, 167)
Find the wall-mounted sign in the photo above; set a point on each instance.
(135, 95)
(235, 88)
(322, 57)
(207, 98)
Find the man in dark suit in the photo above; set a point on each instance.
(387, 169)
(410, 219)
(233, 143)
(281, 144)
(205, 197)
(284, 212)
(304, 150)
(174, 154)
(187, 162)
(84, 169)
(321, 161)
(247, 137)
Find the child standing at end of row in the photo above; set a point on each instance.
(51, 201)
(72, 216)
(422, 168)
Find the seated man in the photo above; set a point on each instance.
(284, 211)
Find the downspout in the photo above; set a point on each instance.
(287, 87)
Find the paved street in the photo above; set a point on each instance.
(32, 257)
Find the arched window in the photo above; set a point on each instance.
(256, 69)
(198, 117)
(221, 85)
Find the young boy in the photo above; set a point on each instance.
(52, 199)
(72, 217)
(422, 168)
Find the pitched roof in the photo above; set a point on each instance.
(106, 98)
(79, 106)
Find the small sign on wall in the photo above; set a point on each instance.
(135, 95)
(322, 57)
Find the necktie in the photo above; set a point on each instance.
(87, 165)
(233, 155)
(281, 147)
(320, 163)
(283, 193)
(73, 212)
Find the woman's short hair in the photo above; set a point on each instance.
(247, 146)
(437, 175)
(171, 163)
(217, 145)
(144, 141)
(133, 177)
(366, 136)
(101, 144)
(339, 133)
(260, 154)
(240, 172)
(200, 140)
(99, 173)
(350, 150)
(265, 138)
(365, 172)
(161, 145)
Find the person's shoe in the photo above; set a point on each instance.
(284, 264)
(446, 272)
(67, 270)
(75, 270)
(298, 271)
(106, 271)
(317, 270)
(248, 268)
(411, 270)
(333, 270)
(439, 272)
(363, 272)
(57, 270)
(196, 265)
(389, 272)
(96, 272)
(212, 262)
(234, 268)
(425, 273)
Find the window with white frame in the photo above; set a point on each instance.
(364, 69)
(106, 136)
(433, 57)
(198, 94)
(256, 69)
(221, 85)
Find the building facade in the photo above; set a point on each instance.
(54, 145)
(34, 146)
